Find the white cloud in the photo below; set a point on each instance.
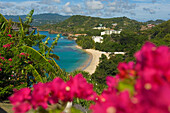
(58, 1)
(94, 5)
(49, 2)
(143, 9)
(67, 9)
(67, 4)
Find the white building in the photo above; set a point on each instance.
(109, 32)
(119, 53)
(98, 39)
(99, 28)
(114, 24)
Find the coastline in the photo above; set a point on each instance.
(92, 62)
(87, 62)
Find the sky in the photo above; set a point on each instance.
(141, 10)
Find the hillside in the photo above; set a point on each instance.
(40, 19)
(162, 30)
(156, 22)
(82, 24)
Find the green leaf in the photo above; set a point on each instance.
(36, 75)
(21, 27)
(125, 86)
(36, 56)
(29, 17)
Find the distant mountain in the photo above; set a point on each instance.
(80, 24)
(40, 19)
(156, 22)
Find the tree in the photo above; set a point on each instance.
(20, 64)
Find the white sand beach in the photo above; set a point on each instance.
(91, 64)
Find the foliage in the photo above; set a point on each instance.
(132, 90)
(158, 21)
(20, 64)
(106, 67)
(86, 42)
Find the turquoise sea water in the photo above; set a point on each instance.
(70, 57)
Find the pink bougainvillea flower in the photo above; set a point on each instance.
(57, 88)
(3, 58)
(113, 103)
(153, 65)
(40, 95)
(7, 45)
(12, 75)
(80, 88)
(126, 70)
(22, 54)
(152, 57)
(20, 96)
(0, 69)
(112, 82)
(147, 103)
(10, 59)
(21, 100)
(9, 35)
(22, 107)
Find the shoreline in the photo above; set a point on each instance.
(92, 62)
(87, 62)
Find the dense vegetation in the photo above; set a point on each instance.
(20, 64)
(84, 24)
(128, 42)
(158, 21)
(86, 42)
(40, 19)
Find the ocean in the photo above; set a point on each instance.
(70, 57)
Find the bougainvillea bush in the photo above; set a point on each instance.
(141, 87)
(20, 64)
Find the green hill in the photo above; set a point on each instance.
(161, 30)
(83, 24)
(156, 22)
(40, 19)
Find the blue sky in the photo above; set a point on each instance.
(141, 10)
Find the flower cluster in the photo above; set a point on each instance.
(7, 45)
(9, 35)
(126, 70)
(23, 55)
(152, 87)
(151, 84)
(51, 92)
(4, 61)
(3, 58)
